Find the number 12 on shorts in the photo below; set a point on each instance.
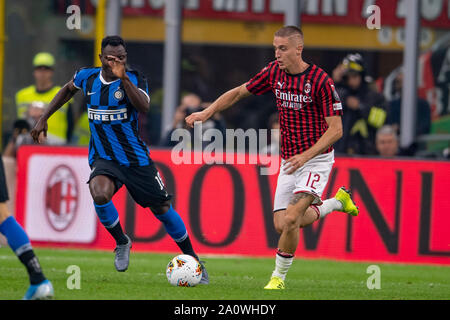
(312, 179)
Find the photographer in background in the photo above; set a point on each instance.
(20, 136)
(365, 109)
(191, 103)
(423, 114)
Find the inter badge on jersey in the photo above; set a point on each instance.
(118, 94)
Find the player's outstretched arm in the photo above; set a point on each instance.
(225, 101)
(63, 95)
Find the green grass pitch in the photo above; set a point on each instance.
(231, 278)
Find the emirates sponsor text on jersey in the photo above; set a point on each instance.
(292, 100)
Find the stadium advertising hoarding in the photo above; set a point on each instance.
(228, 208)
(58, 205)
(434, 13)
(253, 22)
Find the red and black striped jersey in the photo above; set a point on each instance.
(303, 101)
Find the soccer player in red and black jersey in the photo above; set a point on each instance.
(310, 122)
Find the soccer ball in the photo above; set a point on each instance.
(184, 271)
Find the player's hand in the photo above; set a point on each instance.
(117, 66)
(293, 163)
(39, 132)
(196, 116)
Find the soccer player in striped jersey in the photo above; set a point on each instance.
(114, 95)
(310, 122)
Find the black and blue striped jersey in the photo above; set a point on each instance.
(113, 120)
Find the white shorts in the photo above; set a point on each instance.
(311, 178)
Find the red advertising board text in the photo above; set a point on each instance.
(227, 209)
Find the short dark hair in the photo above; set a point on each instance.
(21, 124)
(288, 31)
(113, 41)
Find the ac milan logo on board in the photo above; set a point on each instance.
(61, 198)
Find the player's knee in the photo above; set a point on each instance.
(279, 228)
(302, 224)
(278, 224)
(101, 194)
(160, 209)
(4, 212)
(278, 220)
(290, 223)
(100, 198)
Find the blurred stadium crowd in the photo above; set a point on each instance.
(370, 94)
(371, 118)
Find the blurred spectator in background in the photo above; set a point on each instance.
(364, 108)
(189, 102)
(338, 74)
(423, 111)
(32, 100)
(20, 136)
(34, 112)
(446, 153)
(387, 142)
(274, 147)
(193, 103)
(388, 86)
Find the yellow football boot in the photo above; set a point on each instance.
(275, 283)
(345, 197)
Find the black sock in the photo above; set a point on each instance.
(186, 247)
(29, 259)
(118, 234)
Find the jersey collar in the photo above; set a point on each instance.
(301, 73)
(106, 82)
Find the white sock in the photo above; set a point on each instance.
(282, 266)
(329, 206)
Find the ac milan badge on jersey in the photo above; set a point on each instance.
(307, 87)
(118, 94)
(61, 198)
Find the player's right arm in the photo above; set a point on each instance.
(259, 84)
(225, 101)
(63, 95)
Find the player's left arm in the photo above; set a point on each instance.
(138, 99)
(331, 135)
(61, 98)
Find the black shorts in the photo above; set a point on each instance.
(143, 183)
(3, 188)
